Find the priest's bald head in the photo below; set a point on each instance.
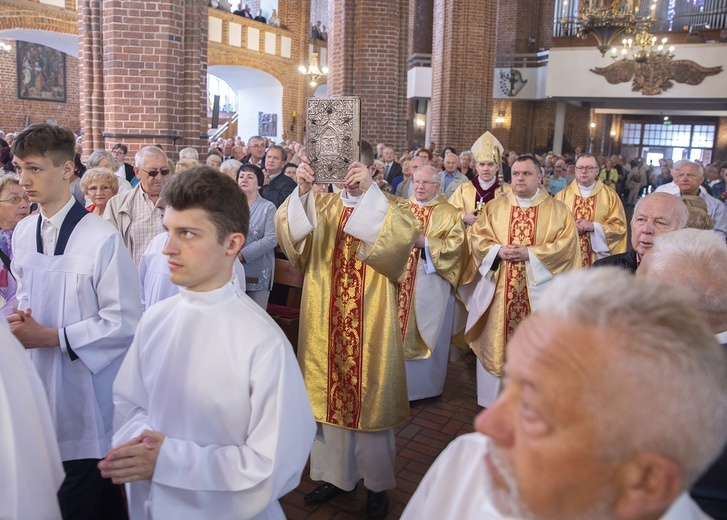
(615, 402)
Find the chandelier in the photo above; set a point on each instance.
(313, 72)
(4, 47)
(643, 47)
(607, 20)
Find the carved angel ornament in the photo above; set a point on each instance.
(655, 75)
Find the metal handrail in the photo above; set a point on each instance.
(222, 129)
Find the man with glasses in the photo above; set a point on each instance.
(256, 146)
(598, 212)
(426, 295)
(520, 242)
(134, 212)
(125, 171)
(688, 177)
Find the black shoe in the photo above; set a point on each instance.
(322, 494)
(377, 505)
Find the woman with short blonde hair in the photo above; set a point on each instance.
(99, 185)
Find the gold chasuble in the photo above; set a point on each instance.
(423, 296)
(500, 294)
(603, 206)
(349, 349)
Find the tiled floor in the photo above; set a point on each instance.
(432, 424)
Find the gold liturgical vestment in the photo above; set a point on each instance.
(423, 297)
(349, 349)
(548, 230)
(604, 207)
(465, 198)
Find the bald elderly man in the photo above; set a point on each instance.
(653, 215)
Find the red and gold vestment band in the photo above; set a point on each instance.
(548, 230)
(603, 206)
(349, 347)
(446, 237)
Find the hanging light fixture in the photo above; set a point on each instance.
(4, 47)
(643, 47)
(313, 72)
(607, 21)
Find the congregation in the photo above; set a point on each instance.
(153, 363)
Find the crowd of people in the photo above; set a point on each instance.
(244, 11)
(139, 291)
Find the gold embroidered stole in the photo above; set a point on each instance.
(523, 222)
(345, 353)
(406, 287)
(584, 209)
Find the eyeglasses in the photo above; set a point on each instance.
(96, 188)
(589, 169)
(425, 183)
(16, 200)
(154, 173)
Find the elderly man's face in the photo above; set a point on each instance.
(450, 163)
(153, 173)
(687, 178)
(655, 214)
(425, 187)
(544, 456)
(257, 150)
(388, 155)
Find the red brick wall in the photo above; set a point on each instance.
(463, 58)
(14, 110)
(367, 48)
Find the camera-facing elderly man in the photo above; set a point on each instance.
(600, 418)
(688, 178)
(134, 212)
(655, 214)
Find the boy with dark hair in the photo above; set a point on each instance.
(79, 305)
(247, 426)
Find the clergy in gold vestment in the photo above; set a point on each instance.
(353, 248)
(598, 212)
(470, 198)
(426, 296)
(518, 245)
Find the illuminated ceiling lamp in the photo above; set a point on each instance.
(4, 47)
(607, 20)
(313, 73)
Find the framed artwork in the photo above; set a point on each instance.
(267, 124)
(41, 73)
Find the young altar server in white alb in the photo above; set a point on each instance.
(213, 420)
(79, 304)
(155, 282)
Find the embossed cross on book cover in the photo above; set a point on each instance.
(333, 138)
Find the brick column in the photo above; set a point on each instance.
(463, 60)
(143, 83)
(367, 42)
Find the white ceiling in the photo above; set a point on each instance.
(67, 43)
